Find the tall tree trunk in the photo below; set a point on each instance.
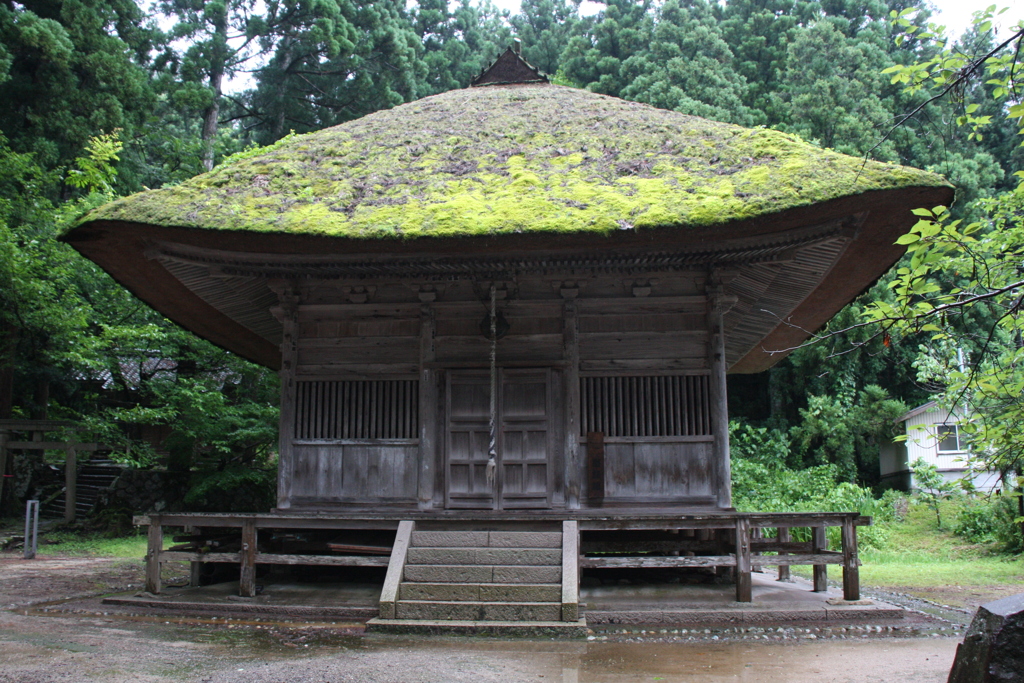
(287, 58)
(218, 64)
(41, 399)
(776, 399)
(8, 345)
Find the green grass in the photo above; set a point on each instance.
(920, 555)
(922, 560)
(897, 569)
(67, 543)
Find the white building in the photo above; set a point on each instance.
(933, 434)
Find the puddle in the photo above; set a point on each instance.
(407, 660)
(260, 649)
(254, 650)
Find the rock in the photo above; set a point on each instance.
(993, 648)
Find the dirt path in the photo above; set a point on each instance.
(37, 646)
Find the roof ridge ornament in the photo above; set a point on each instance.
(510, 69)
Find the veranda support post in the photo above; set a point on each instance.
(783, 537)
(247, 580)
(155, 539)
(851, 562)
(819, 543)
(743, 585)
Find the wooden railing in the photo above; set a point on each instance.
(734, 540)
(749, 547)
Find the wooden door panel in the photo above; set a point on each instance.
(468, 439)
(470, 398)
(525, 446)
(524, 397)
(523, 475)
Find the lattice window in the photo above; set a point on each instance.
(676, 405)
(357, 409)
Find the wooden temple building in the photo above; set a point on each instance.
(503, 318)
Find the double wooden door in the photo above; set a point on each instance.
(522, 474)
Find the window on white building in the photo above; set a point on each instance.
(949, 439)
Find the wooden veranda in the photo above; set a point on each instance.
(734, 542)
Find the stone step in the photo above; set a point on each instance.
(440, 573)
(478, 611)
(486, 539)
(484, 556)
(481, 592)
(497, 629)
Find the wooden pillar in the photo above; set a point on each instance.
(743, 585)
(70, 480)
(155, 543)
(427, 404)
(851, 561)
(783, 536)
(287, 313)
(819, 542)
(756, 535)
(247, 578)
(718, 304)
(195, 569)
(571, 356)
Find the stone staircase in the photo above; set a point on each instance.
(491, 580)
(94, 477)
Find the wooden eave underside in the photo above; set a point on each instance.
(794, 270)
(769, 275)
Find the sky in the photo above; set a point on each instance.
(956, 14)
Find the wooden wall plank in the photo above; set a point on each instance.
(654, 305)
(536, 348)
(620, 473)
(639, 322)
(359, 350)
(620, 345)
(363, 473)
(648, 366)
(344, 371)
(518, 326)
(658, 470)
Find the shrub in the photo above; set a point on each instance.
(975, 522)
(991, 520)
(234, 489)
(762, 482)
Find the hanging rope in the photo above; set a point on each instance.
(492, 450)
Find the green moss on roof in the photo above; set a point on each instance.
(512, 159)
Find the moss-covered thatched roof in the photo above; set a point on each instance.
(510, 170)
(503, 160)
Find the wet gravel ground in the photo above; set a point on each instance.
(83, 640)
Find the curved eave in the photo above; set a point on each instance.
(121, 249)
(866, 259)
